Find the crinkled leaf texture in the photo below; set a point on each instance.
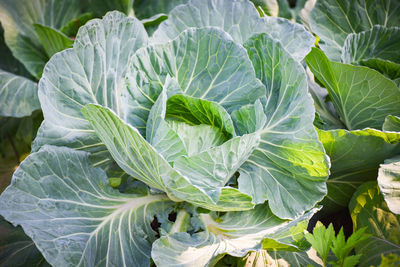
(91, 72)
(18, 95)
(240, 19)
(333, 20)
(139, 159)
(125, 101)
(369, 209)
(18, 19)
(74, 217)
(235, 233)
(289, 167)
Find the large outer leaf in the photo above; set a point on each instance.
(73, 215)
(355, 158)
(91, 72)
(18, 95)
(377, 46)
(139, 159)
(333, 20)
(389, 183)
(17, 249)
(206, 63)
(240, 19)
(289, 168)
(236, 233)
(18, 17)
(369, 209)
(362, 97)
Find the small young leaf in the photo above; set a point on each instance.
(321, 239)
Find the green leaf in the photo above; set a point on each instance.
(376, 48)
(389, 183)
(240, 19)
(101, 7)
(8, 62)
(321, 239)
(52, 40)
(140, 160)
(71, 28)
(355, 158)
(18, 95)
(159, 134)
(18, 18)
(325, 112)
(212, 169)
(392, 123)
(289, 167)
(145, 9)
(368, 209)
(387, 67)
(206, 63)
(342, 248)
(249, 118)
(225, 234)
(74, 216)
(17, 249)
(360, 101)
(206, 136)
(88, 73)
(333, 20)
(197, 111)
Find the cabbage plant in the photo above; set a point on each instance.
(178, 148)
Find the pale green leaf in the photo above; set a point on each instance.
(368, 209)
(238, 18)
(389, 183)
(355, 158)
(206, 63)
(226, 234)
(333, 20)
(140, 160)
(206, 136)
(159, 134)
(362, 97)
(52, 40)
(249, 118)
(18, 95)
(289, 167)
(18, 18)
(74, 217)
(212, 169)
(91, 72)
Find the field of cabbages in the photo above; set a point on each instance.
(197, 133)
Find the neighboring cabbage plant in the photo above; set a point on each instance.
(205, 132)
